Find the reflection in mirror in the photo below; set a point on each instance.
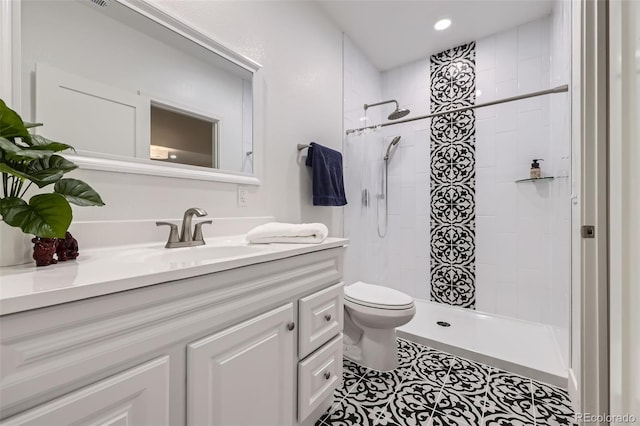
(179, 137)
(112, 82)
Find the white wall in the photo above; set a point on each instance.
(624, 207)
(301, 54)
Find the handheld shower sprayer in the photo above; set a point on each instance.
(382, 232)
(393, 143)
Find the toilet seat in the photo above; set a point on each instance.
(377, 297)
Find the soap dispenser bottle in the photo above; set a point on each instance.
(535, 173)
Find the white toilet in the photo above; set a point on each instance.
(372, 313)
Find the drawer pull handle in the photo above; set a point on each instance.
(327, 375)
(291, 326)
(327, 317)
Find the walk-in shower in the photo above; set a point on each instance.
(462, 224)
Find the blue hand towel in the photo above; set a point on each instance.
(328, 185)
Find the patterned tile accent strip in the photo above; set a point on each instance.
(434, 388)
(453, 173)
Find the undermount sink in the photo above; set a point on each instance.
(193, 254)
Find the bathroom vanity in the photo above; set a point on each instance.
(196, 336)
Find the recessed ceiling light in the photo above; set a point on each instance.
(442, 24)
(173, 156)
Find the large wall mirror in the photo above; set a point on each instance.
(130, 86)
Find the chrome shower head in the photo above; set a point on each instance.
(398, 113)
(393, 143)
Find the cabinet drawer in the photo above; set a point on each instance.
(318, 376)
(320, 318)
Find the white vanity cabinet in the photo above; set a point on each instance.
(138, 396)
(242, 375)
(216, 349)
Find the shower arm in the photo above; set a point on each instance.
(558, 89)
(367, 106)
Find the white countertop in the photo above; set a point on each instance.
(97, 272)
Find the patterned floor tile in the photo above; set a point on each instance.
(463, 408)
(432, 366)
(415, 395)
(412, 405)
(502, 383)
(434, 388)
(520, 406)
(547, 394)
(468, 377)
(408, 352)
(349, 380)
(376, 387)
(353, 368)
(441, 419)
(350, 413)
(554, 415)
(505, 419)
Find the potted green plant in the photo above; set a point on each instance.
(27, 159)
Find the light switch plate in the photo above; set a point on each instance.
(243, 194)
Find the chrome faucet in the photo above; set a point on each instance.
(186, 238)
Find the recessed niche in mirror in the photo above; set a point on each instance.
(180, 137)
(116, 84)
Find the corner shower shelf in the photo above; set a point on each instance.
(535, 179)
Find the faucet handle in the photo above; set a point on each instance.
(173, 233)
(197, 232)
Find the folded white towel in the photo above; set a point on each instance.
(278, 232)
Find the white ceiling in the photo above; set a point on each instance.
(395, 32)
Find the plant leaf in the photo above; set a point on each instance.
(40, 142)
(11, 125)
(14, 152)
(78, 192)
(49, 170)
(42, 172)
(46, 177)
(41, 177)
(8, 146)
(31, 125)
(5, 168)
(46, 215)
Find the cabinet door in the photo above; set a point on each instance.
(243, 375)
(136, 397)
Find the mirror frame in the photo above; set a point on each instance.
(10, 90)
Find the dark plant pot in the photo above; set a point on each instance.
(44, 249)
(67, 248)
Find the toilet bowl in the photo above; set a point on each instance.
(372, 313)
